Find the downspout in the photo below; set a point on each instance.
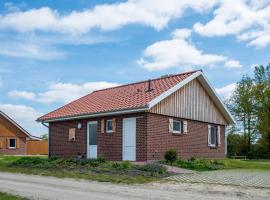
(49, 147)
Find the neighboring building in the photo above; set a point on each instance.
(141, 121)
(13, 138)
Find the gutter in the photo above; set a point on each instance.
(118, 112)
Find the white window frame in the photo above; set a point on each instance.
(9, 143)
(109, 131)
(180, 126)
(216, 142)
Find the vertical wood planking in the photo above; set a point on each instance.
(191, 102)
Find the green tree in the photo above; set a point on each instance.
(44, 136)
(242, 105)
(262, 95)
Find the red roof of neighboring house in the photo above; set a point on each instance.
(124, 97)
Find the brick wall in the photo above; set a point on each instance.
(18, 151)
(152, 140)
(194, 143)
(109, 144)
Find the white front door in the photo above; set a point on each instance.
(129, 139)
(92, 139)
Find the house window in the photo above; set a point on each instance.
(109, 126)
(177, 126)
(71, 134)
(12, 143)
(213, 136)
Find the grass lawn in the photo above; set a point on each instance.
(103, 171)
(198, 164)
(5, 196)
(246, 164)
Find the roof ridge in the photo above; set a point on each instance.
(154, 79)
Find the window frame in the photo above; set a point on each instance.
(15, 143)
(180, 127)
(216, 137)
(106, 124)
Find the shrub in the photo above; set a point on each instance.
(153, 168)
(116, 165)
(28, 161)
(101, 159)
(122, 165)
(170, 156)
(126, 165)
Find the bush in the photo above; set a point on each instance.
(170, 156)
(122, 165)
(153, 168)
(29, 161)
(126, 165)
(101, 159)
(116, 165)
(198, 164)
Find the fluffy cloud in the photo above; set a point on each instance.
(226, 91)
(249, 20)
(232, 64)
(29, 49)
(178, 51)
(153, 13)
(25, 116)
(22, 94)
(62, 92)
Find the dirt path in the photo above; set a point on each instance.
(49, 188)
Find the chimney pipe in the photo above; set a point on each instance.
(149, 89)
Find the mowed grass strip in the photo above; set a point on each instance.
(5, 196)
(246, 164)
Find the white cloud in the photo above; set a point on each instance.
(178, 51)
(153, 13)
(249, 20)
(226, 91)
(232, 64)
(29, 49)
(25, 116)
(22, 94)
(62, 92)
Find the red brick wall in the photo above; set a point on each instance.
(194, 143)
(59, 144)
(109, 144)
(18, 151)
(152, 141)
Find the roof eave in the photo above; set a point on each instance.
(99, 114)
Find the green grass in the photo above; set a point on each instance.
(198, 164)
(4, 196)
(122, 172)
(246, 164)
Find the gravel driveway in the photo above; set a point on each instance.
(50, 188)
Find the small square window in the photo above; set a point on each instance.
(12, 143)
(109, 126)
(177, 126)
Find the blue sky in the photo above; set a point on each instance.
(52, 52)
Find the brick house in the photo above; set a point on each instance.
(141, 121)
(13, 138)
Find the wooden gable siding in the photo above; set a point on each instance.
(7, 129)
(190, 102)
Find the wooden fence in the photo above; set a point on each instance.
(34, 147)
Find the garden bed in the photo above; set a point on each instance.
(96, 169)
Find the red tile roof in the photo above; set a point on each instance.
(124, 97)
